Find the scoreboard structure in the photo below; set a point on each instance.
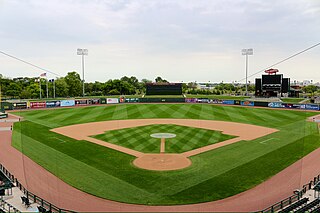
(272, 84)
(164, 89)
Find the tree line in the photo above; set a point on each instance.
(71, 86)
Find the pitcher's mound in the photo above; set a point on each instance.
(162, 162)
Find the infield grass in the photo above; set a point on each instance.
(139, 139)
(213, 175)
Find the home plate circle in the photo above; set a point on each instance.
(162, 162)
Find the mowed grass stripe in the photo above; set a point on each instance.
(139, 139)
(169, 187)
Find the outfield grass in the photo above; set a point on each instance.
(187, 138)
(214, 175)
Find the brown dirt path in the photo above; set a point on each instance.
(49, 187)
(243, 131)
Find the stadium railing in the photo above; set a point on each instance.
(293, 198)
(32, 197)
(7, 207)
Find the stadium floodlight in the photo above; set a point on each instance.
(247, 52)
(82, 52)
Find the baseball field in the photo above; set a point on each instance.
(107, 171)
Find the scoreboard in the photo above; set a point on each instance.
(164, 89)
(271, 82)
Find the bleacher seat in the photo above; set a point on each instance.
(295, 205)
(308, 206)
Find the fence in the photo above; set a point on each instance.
(32, 197)
(285, 202)
(7, 207)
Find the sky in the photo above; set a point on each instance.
(179, 40)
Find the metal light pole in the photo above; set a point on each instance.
(54, 88)
(247, 52)
(82, 52)
(47, 88)
(40, 87)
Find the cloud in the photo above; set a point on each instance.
(155, 33)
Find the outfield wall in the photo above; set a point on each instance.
(98, 101)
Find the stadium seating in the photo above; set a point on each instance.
(295, 205)
(25, 201)
(316, 210)
(308, 206)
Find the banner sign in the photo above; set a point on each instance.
(81, 102)
(38, 104)
(51, 104)
(103, 101)
(261, 104)
(275, 105)
(229, 102)
(131, 100)
(94, 101)
(215, 101)
(202, 100)
(64, 103)
(20, 105)
(237, 102)
(191, 100)
(310, 106)
(112, 100)
(247, 103)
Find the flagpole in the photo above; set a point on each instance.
(47, 86)
(40, 86)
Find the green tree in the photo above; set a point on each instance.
(160, 80)
(74, 84)
(14, 90)
(61, 87)
(310, 89)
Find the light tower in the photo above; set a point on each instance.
(82, 52)
(247, 52)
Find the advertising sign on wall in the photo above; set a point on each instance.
(81, 102)
(237, 102)
(310, 106)
(275, 105)
(191, 100)
(261, 103)
(50, 104)
(94, 101)
(202, 100)
(103, 101)
(230, 102)
(64, 103)
(132, 100)
(215, 101)
(112, 100)
(247, 103)
(38, 104)
(19, 105)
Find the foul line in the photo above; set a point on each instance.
(62, 141)
(263, 142)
